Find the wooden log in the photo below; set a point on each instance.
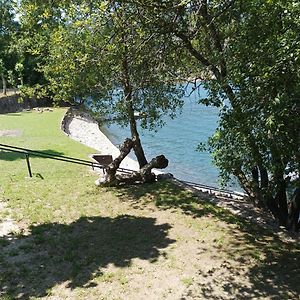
(142, 176)
(112, 168)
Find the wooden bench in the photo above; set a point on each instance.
(103, 160)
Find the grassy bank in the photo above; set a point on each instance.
(53, 181)
(72, 240)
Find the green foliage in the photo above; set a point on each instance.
(263, 128)
(84, 47)
(125, 56)
(8, 27)
(247, 52)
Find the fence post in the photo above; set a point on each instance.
(28, 164)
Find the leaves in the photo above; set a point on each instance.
(246, 53)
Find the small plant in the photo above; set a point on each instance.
(187, 281)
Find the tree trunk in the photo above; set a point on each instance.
(4, 89)
(264, 193)
(294, 212)
(261, 183)
(113, 167)
(264, 178)
(256, 187)
(278, 204)
(255, 175)
(138, 149)
(273, 207)
(144, 175)
(281, 200)
(244, 182)
(280, 184)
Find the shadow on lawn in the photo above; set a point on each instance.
(75, 253)
(11, 156)
(276, 271)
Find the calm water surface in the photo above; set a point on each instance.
(178, 141)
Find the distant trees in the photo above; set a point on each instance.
(17, 67)
(8, 28)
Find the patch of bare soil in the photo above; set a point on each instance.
(7, 225)
(145, 254)
(11, 132)
(157, 244)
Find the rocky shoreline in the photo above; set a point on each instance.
(81, 127)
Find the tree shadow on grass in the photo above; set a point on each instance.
(275, 273)
(12, 156)
(75, 253)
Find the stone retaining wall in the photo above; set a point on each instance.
(13, 103)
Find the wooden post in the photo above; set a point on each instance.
(28, 164)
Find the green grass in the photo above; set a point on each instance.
(56, 186)
(78, 241)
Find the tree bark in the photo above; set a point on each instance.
(138, 149)
(256, 187)
(264, 178)
(245, 183)
(4, 89)
(255, 175)
(281, 200)
(273, 207)
(294, 212)
(144, 175)
(278, 204)
(263, 188)
(112, 168)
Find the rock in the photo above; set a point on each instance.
(101, 179)
(164, 176)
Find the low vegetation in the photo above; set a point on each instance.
(73, 240)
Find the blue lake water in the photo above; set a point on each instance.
(178, 141)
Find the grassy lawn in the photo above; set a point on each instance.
(73, 240)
